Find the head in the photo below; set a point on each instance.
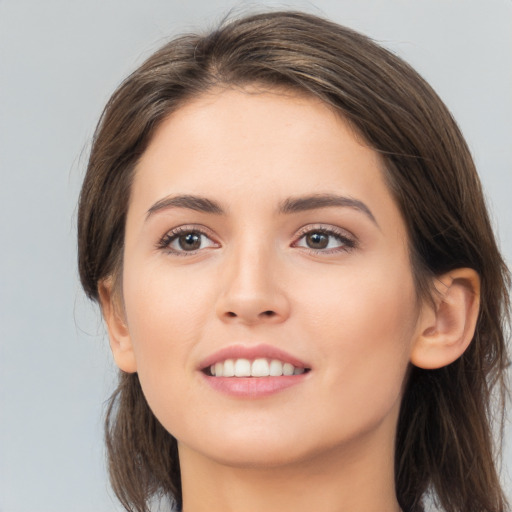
(443, 427)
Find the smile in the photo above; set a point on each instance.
(253, 371)
(260, 367)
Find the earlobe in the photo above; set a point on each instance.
(447, 328)
(119, 336)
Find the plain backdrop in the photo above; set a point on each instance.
(59, 62)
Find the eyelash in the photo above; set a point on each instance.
(347, 242)
(166, 241)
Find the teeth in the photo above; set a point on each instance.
(242, 368)
(287, 369)
(276, 368)
(258, 368)
(229, 368)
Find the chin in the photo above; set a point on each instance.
(259, 448)
(256, 456)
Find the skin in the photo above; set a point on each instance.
(349, 311)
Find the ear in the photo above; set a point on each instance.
(114, 316)
(447, 328)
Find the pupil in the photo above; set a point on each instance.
(190, 241)
(317, 240)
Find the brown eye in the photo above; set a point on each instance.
(183, 241)
(190, 241)
(325, 241)
(317, 240)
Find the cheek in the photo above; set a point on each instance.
(167, 313)
(364, 324)
(360, 304)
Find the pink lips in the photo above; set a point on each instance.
(251, 353)
(252, 387)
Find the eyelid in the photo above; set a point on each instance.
(347, 238)
(350, 240)
(164, 242)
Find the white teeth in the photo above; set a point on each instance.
(276, 368)
(287, 369)
(229, 368)
(242, 368)
(260, 367)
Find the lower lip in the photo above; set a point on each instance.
(253, 387)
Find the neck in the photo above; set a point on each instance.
(349, 479)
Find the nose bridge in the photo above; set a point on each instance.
(252, 290)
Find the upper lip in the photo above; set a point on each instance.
(251, 352)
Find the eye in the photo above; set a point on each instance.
(185, 240)
(325, 240)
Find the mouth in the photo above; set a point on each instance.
(253, 371)
(257, 368)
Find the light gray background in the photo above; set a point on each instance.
(59, 62)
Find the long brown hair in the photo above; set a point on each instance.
(444, 443)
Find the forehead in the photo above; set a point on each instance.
(249, 147)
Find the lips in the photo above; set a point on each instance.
(239, 355)
(253, 371)
(260, 367)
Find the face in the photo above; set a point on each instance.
(261, 239)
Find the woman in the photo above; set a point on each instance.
(287, 236)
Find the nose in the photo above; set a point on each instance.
(253, 290)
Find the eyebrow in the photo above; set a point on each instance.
(315, 201)
(197, 203)
(290, 205)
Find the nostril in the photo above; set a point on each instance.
(251, 315)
